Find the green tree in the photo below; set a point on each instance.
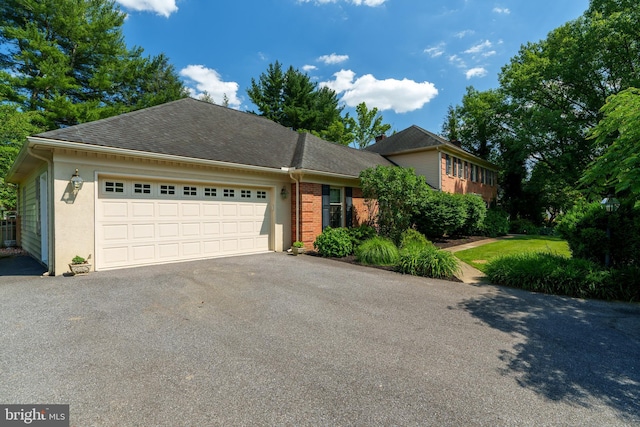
(367, 126)
(293, 100)
(68, 60)
(15, 126)
(398, 193)
(618, 136)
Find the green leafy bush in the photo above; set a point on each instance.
(476, 213)
(334, 242)
(441, 213)
(411, 238)
(361, 233)
(377, 251)
(428, 262)
(522, 226)
(554, 274)
(585, 229)
(496, 223)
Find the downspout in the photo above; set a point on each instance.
(51, 253)
(291, 171)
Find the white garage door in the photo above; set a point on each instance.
(143, 222)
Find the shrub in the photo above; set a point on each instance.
(585, 229)
(411, 238)
(428, 262)
(377, 251)
(476, 213)
(522, 226)
(334, 242)
(441, 213)
(496, 223)
(554, 274)
(361, 233)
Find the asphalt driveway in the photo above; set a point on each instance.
(280, 340)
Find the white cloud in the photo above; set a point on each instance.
(479, 48)
(435, 51)
(371, 3)
(476, 72)
(463, 34)
(457, 61)
(502, 10)
(161, 7)
(308, 68)
(209, 80)
(333, 58)
(400, 96)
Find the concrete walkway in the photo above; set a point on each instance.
(469, 274)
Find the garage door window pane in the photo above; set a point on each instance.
(245, 194)
(168, 189)
(228, 193)
(189, 191)
(114, 187)
(142, 188)
(261, 194)
(209, 192)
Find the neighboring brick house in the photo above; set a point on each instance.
(191, 180)
(444, 164)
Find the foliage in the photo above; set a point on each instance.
(617, 135)
(292, 99)
(68, 60)
(334, 242)
(496, 223)
(479, 256)
(585, 228)
(413, 239)
(428, 262)
(78, 260)
(15, 126)
(441, 214)
(398, 193)
(361, 233)
(377, 251)
(522, 226)
(476, 213)
(298, 244)
(559, 275)
(367, 127)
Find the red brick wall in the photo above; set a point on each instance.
(451, 184)
(311, 211)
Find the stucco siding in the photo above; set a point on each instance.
(76, 213)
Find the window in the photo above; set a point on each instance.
(142, 188)
(229, 192)
(335, 207)
(245, 194)
(459, 168)
(473, 173)
(168, 189)
(114, 187)
(448, 160)
(466, 170)
(261, 194)
(189, 191)
(210, 192)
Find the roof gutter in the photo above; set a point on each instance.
(52, 143)
(292, 171)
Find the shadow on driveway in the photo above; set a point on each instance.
(552, 360)
(20, 265)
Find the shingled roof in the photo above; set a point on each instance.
(201, 130)
(412, 138)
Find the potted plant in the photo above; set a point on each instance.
(297, 247)
(80, 265)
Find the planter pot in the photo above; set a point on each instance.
(80, 268)
(297, 251)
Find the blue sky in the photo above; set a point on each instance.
(409, 58)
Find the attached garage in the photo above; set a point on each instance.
(142, 222)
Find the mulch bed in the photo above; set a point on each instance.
(5, 252)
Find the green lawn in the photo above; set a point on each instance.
(478, 257)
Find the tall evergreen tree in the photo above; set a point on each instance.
(68, 60)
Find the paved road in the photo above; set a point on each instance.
(280, 340)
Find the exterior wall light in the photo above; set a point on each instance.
(610, 204)
(283, 192)
(76, 181)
